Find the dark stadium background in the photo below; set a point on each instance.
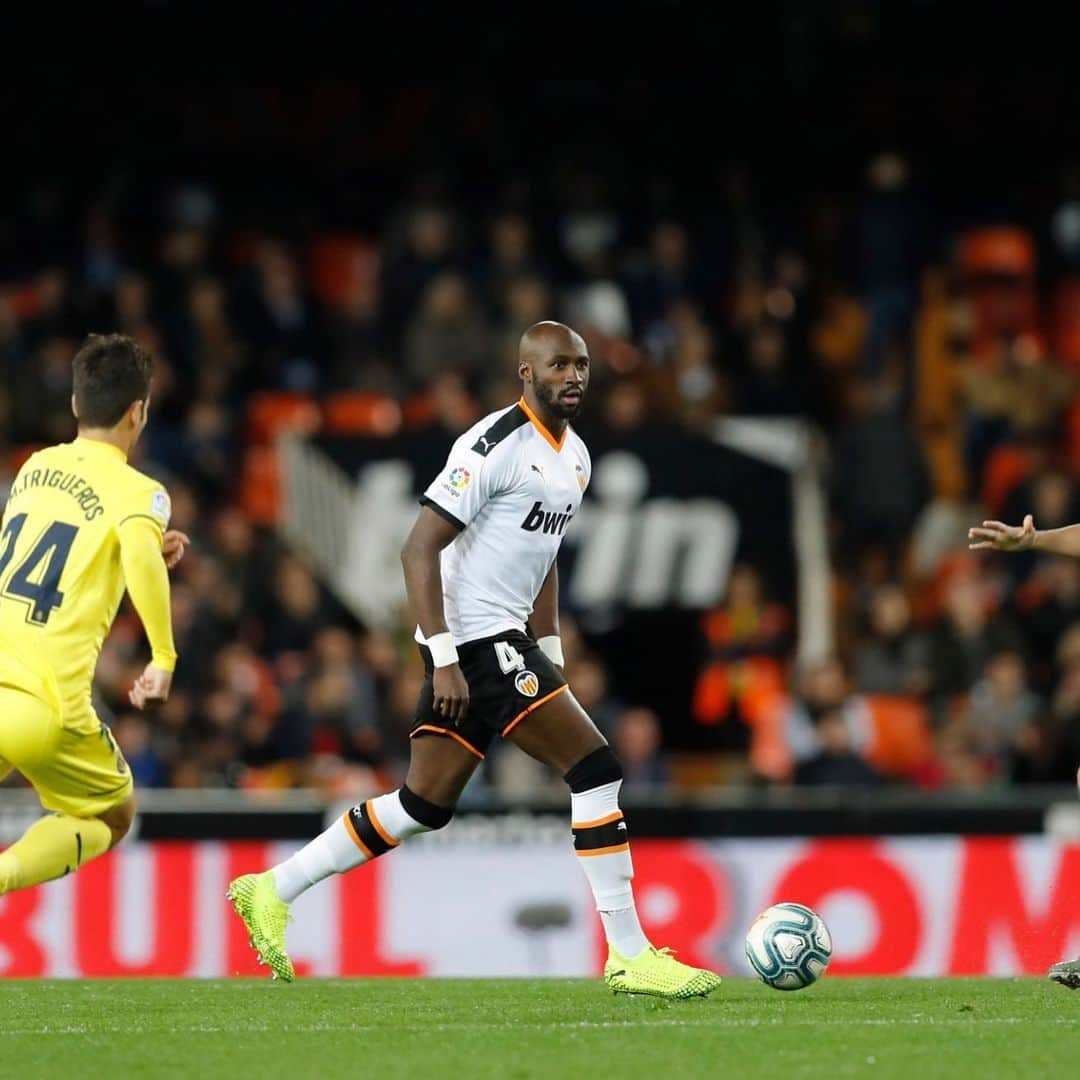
(152, 149)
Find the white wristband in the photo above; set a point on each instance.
(443, 653)
(551, 647)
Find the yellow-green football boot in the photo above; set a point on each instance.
(657, 972)
(266, 915)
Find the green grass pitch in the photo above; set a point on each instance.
(917, 1029)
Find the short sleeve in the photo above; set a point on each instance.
(460, 491)
(148, 501)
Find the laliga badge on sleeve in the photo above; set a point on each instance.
(161, 507)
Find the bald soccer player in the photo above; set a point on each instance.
(997, 536)
(481, 577)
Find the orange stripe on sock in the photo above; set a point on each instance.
(603, 850)
(617, 816)
(533, 707)
(356, 837)
(369, 807)
(450, 734)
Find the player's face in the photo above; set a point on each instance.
(561, 379)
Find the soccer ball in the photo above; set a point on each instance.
(788, 947)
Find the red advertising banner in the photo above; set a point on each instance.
(922, 906)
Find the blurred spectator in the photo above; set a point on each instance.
(281, 326)
(1001, 720)
(132, 734)
(880, 480)
(891, 658)
(298, 609)
(664, 276)
(426, 253)
(446, 334)
(638, 743)
(358, 355)
(747, 641)
(889, 243)
(42, 391)
(1020, 397)
(965, 638)
(822, 692)
(834, 761)
(510, 262)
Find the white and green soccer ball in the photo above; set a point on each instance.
(788, 946)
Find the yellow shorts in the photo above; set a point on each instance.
(75, 765)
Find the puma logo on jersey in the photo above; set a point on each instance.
(484, 446)
(537, 469)
(548, 521)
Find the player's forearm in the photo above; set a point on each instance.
(544, 621)
(423, 585)
(147, 582)
(1064, 541)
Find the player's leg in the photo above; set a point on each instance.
(439, 769)
(560, 734)
(75, 776)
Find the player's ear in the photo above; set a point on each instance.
(524, 371)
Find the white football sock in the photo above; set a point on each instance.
(382, 821)
(604, 854)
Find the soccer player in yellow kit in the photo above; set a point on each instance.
(80, 524)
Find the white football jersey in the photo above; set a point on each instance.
(512, 490)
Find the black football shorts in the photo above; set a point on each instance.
(508, 678)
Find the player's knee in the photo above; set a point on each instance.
(119, 819)
(597, 768)
(423, 811)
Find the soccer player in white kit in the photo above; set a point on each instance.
(481, 577)
(997, 536)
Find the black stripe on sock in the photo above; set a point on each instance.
(367, 832)
(601, 836)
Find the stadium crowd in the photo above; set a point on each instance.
(942, 368)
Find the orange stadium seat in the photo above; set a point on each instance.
(359, 413)
(1072, 428)
(273, 413)
(770, 755)
(900, 739)
(1066, 322)
(419, 411)
(260, 493)
(1005, 468)
(338, 261)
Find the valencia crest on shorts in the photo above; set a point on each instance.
(527, 683)
(508, 676)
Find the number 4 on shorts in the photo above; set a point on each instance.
(510, 660)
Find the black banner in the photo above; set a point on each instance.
(666, 516)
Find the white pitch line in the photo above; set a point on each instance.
(719, 1022)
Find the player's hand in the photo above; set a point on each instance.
(173, 545)
(451, 693)
(151, 687)
(999, 537)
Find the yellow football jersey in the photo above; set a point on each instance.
(61, 572)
